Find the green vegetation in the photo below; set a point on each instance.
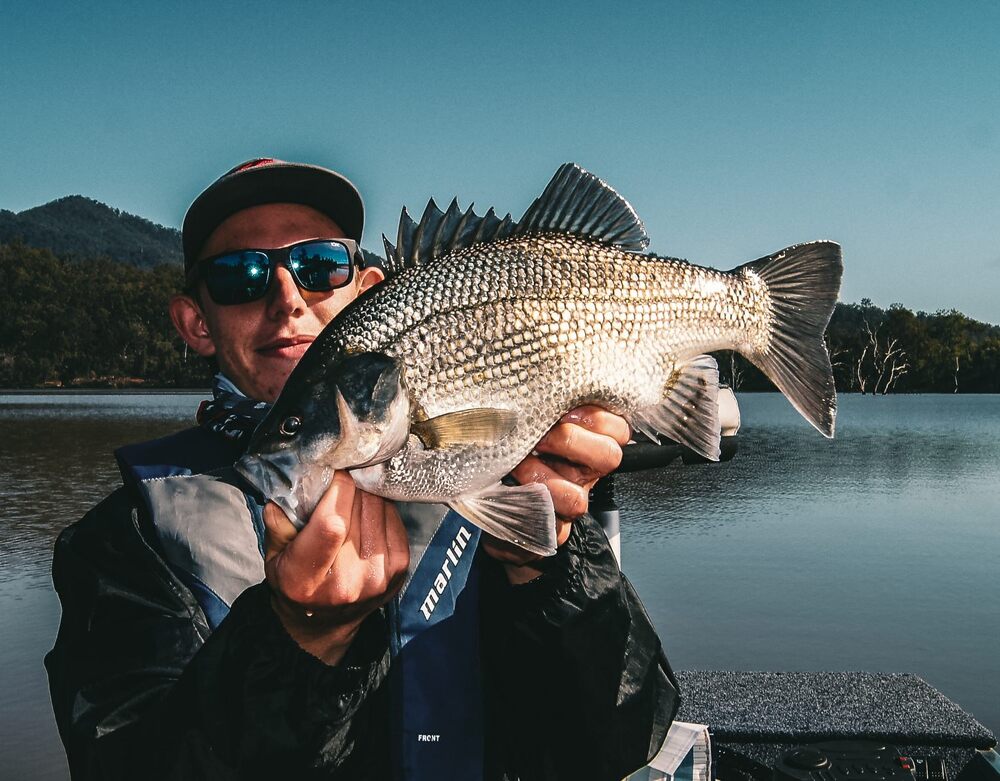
(95, 322)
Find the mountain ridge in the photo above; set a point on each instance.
(76, 227)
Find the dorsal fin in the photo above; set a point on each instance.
(578, 203)
(440, 232)
(574, 202)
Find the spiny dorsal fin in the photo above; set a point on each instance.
(440, 232)
(578, 203)
(574, 202)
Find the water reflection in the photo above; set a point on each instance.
(57, 462)
(947, 448)
(875, 551)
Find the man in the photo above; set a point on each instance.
(171, 663)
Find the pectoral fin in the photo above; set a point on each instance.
(689, 412)
(519, 514)
(466, 427)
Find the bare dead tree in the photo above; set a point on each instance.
(860, 371)
(894, 365)
(882, 362)
(959, 353)
(735, 372)
(838, 358)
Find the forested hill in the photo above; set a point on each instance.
(76, 227)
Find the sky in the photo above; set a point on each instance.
(733, 128)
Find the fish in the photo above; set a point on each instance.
(433, 385)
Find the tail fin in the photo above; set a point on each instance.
(803, 282)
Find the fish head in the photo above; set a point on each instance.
(356, 413)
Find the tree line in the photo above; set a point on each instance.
(97, 322)
(73, 323)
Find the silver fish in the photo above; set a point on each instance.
(435, 384)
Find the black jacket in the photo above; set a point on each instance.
(576, 683)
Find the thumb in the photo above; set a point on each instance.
(280, 530)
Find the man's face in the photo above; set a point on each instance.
(258, 344)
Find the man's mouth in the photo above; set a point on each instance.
(288, 347)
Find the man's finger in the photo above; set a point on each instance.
(315, 548)
(280, 530)
(507, 552)
(568, 499)
(371, 536)
(573, 442)
(600, 421)
(371, 540)
(581, 475)
(563, 527)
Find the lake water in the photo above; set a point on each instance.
(879, 550)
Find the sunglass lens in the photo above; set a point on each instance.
(238, 278)
(321, 265)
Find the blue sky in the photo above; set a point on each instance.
(734, 129)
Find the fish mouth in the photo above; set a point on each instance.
(279, 477)
(296, 482)
(361, 420)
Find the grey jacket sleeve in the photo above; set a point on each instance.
(140, 688)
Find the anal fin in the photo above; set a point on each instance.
(519, 514)
(689, 411)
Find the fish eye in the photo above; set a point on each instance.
(290, 425)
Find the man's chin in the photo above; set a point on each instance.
(263, 380)
(268, 376)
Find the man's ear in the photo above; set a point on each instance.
(367, 277)
(189, 320)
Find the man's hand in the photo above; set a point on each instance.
(347, 561)
(584, 446)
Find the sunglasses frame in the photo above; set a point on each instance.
(279, 256)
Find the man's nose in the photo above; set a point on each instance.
(284, 297)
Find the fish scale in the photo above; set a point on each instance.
(446, 375)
